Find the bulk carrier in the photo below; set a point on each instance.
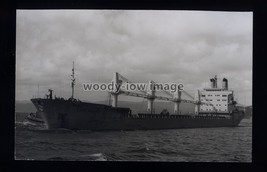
(214, 107)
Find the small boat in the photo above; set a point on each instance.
(34, 117)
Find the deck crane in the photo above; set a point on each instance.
(151, 96)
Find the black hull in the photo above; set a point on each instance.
(59, 113)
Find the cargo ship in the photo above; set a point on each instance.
(214, 107)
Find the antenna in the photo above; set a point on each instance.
(38, 92)
(72, 81)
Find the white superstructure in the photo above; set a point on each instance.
(221, 98)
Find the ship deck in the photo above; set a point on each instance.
(173, 116)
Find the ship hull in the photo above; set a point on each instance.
(89, 116)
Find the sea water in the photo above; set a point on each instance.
(224, 144)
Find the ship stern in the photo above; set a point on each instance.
(238, 116)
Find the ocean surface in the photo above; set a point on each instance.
(226, 144)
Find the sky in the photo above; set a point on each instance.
(186, 47)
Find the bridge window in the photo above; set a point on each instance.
(203, 95)
(224, 95)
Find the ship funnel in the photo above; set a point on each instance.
(225, 84)
(212, 83)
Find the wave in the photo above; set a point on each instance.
(56, 158)
(95, 157)
(25, 123)
(57, 131)
(140, 150)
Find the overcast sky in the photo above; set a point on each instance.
(165, 46)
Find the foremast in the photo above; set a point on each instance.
(72, 82)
